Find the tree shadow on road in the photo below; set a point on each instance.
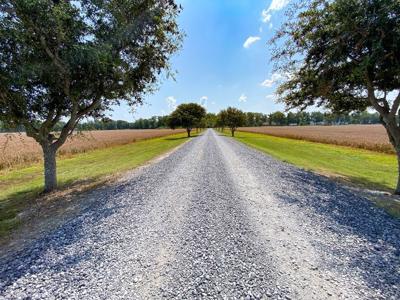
(354, 215)
(24, 262)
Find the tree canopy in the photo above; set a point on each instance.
(66, 60)
(344, 55)
(187, 115)
(233, 118)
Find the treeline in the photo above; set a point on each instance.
(319, 118)
(301, 119)
(150, 123)
(252, 120)
(154, 122)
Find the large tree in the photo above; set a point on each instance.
(343, 55)
(187, 115)
(234, 118)
(67, 60)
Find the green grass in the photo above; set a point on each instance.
(368, 168)
(363, 168)
(20, 186)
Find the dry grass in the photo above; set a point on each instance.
(370, 137)
(18, 149)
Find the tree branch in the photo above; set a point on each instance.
(67, 129)
(372, 99)
(395, 106)
(58, 64)
(90, 107)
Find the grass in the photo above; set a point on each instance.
(19, 187)
(372, 169)
(364, 168)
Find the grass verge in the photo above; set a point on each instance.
(20, 186)
(364, 168)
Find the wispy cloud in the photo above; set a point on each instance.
(275, 5)
(203, 101)
(271, 81)
(251, 40)
(171, 102)
(242, 98)
(270, 97)
(266, 16)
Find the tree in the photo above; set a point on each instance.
(277, 118)
(234, 118)
(210, 120)
(221, 120)
(66, 60)
(344, 55)
(187, 115)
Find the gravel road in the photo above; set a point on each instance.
(215, 220)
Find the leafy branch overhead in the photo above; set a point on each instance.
(66, 60)
(344, 55)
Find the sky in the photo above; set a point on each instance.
(224, 60)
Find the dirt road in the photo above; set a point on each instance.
(216, 220)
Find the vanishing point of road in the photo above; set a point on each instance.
(214, 220)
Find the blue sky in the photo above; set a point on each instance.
(224, 61)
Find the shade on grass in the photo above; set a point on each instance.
(19, 186)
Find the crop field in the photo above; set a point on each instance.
(18, 149)
(369, 137)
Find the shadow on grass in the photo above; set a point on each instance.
(24, 200)
(180, 138)
(361, 182)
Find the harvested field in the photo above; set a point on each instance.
(18, 149)
(370, 137)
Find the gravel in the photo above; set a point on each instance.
(215, 220)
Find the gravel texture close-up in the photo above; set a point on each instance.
(215, 219)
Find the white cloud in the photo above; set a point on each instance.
(266, 16)
(242, 98)
(274, 78)
(278, 4)
(171, 102)
(274, 6)
(270, 26)
(203, 101)
(251, 40)
(270, 97)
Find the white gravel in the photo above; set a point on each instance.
(215, 220)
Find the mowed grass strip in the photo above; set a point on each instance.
(368, 168)
(18, 187)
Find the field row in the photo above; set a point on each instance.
(18, 149)
(370, 137)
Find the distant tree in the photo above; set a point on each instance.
(277, 118)
(292, 118)
(210, 120)
(66, 60)
(234, 118)
(317, 117)
(187, 115)
(221, 119)
(344, 55)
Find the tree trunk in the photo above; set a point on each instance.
(50, 168)
(188, 132)
(397, 191)
(393, 132)
(233, 132)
